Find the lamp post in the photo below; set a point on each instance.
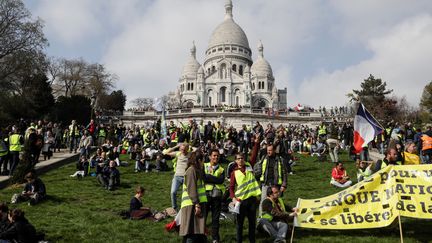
(92, 104)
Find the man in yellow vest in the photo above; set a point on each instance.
(274, 218)
(215, 188)
(390, 159)
(15, 143)
(244, 189)
(271, 171)
(74, 136)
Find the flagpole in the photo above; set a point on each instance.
(400, 229)
(372, 115)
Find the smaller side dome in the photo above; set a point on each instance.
(192, 65)
(201, 70)
(261, 67)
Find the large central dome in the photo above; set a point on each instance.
(228, 32)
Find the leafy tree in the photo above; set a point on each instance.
(373, 94)
(426, 104)
(114, 102)
(21, 40)
(76, 107)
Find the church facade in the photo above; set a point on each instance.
(228, 75)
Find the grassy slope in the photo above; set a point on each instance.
(81, 211)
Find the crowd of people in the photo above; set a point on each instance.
(251, 186)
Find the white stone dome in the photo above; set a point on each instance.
(228, 32)
(192, 65)
(261, 67)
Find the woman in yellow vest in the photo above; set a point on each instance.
(244, 189)
(409, 156)
(193, 202)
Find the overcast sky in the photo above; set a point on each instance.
(319, 49)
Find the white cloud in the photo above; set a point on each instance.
(70, 21)
(401, 57)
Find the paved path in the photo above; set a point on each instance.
(58, 159)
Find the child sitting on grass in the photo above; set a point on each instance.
(136, 209)
(34, 190)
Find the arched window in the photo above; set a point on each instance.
(222, 94)
(253, 86)
(210, 101)
(241, 69)
(188, 86)
(213, 69)
(234, 68)
(237, 101)
(191, 86)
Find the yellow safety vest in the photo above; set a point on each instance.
(411, 159)
(215, 173)
(264, 166)
(14, 143)
(322, 130)
(202, 197)
(146, 138)
(125, 145)
(247, 186)
(268, 216)
(3, 148)
(77, 132)
(102, 133)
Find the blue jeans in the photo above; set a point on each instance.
(177, 182)
(276, 230)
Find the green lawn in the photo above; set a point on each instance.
(82, 211)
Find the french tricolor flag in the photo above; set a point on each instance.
(365, 128)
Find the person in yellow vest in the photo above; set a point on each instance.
(275, 215)
(322, 131)
(101, 134)
(15, 143)
(390, 159)
(271, 171)
(364, 169)
(244, 189)
(194, 199)
(74, 135)
(215, 189)
(408, 156)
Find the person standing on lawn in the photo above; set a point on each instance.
(194, 200)
(215, 189)
(244, 189)
(179, 163)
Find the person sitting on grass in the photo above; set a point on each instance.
(4, 221)
(96, 158)
(161, 164)
(141, 160)
(19, 228)
(101, 162)
(364, 169)
(82, 167)
(339, 176)
(109, 177)
(275, 215)
(136, 210)
(34, 190)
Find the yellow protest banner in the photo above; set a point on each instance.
(404, 190)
